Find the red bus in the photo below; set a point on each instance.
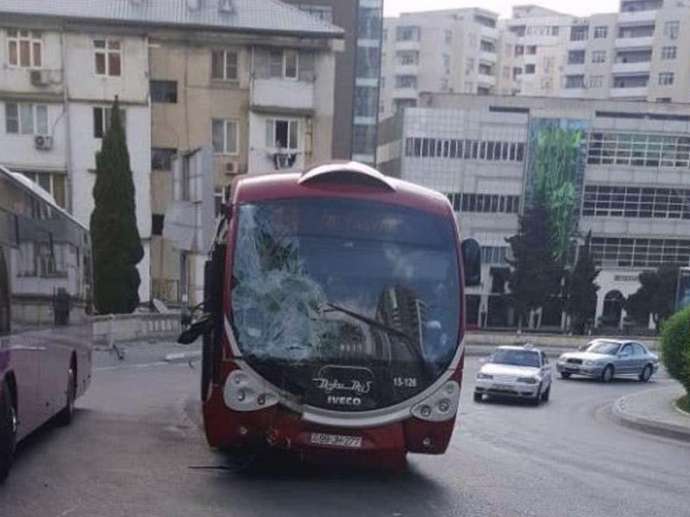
(334, 324)
(45, 332)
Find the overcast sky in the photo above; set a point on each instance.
(503, 7)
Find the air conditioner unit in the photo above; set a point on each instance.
(232, 168)
(40, 77)
(43, 142)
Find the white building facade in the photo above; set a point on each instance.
(633, 185)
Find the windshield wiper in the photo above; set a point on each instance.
(385, 328)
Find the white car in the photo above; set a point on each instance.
(515, 371)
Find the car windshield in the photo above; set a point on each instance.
(515, 357)
(323, 282)
(604, 347)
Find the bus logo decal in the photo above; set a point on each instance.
(354, 386)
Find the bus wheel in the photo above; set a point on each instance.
(66, 415)
(8, 431)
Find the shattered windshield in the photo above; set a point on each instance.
(346, 282)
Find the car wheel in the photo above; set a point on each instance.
(478, 397)
(66, 415)
(537, 398)
(646, 373)
(565, 375)
(546, 394)
(607, 374)
(8, 432)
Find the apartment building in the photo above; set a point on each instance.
(632, 179)
(532, 53)
(639, 53)
(253, 80)
(261, 94)
(58, 79)
(441, 51)
(356, 119)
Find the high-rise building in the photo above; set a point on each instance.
(630, 173)
(357, 73)
(441, 51)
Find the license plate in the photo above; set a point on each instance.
(336, 440)
(503, 387)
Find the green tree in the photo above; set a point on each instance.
(581, 289)
(536, 275)
(116, 243)
(675, 346)
(656, 295)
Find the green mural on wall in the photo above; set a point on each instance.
(555, 174)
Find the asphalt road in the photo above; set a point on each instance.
(136, 449)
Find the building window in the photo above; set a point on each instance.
(366, 98)
(494, 255)
(407, 33)
(601, 32)
(530, 69)
(26, 119)
(164, 91)
(519, 50)
(455, 149)
(53, 183)
(637, 252)
(282, 134)
(408, 57)
(638, 150)
(157, 223)
(596, 81)
(161, 158)
(638, 202)
(322, 12)
(486, 203)
(225, 136)
(671, 29)
(102, 118)
(449, 37)
(224, 65)
(284, 64)
(487, 46)
(665, 78)
(406, 81)
(531, 50)
(599, 56)
(579, 32)
(576, 57)
(574, 81)
(108, 57)
(668, 52)
(446, 63)
(24, 48)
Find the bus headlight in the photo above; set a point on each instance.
(244, 392)
(441, 405)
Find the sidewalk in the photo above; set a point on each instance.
(654, 411)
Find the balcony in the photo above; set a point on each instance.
(281, 93)
(574, 68)
(488, 57)
(635, 17)
(574, 93)
(629, 92)
(405, 93)
(409, 69)
(635, 42)
(486, 79)
(631, 68)
(489, 32)
(577, 44)
(407, 45)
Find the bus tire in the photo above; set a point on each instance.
(66, 415)
(8, 431)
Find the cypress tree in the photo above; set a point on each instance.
(115, 237)
(581, 303)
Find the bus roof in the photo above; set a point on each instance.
(342, 180)
(27, 185)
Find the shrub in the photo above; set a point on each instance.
(675, 347)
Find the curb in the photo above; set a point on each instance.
(648, 425)
(183, 357)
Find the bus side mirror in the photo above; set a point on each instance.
(188, 336)
(471, 262)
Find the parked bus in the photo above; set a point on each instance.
(45, 334)
(334, 317)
